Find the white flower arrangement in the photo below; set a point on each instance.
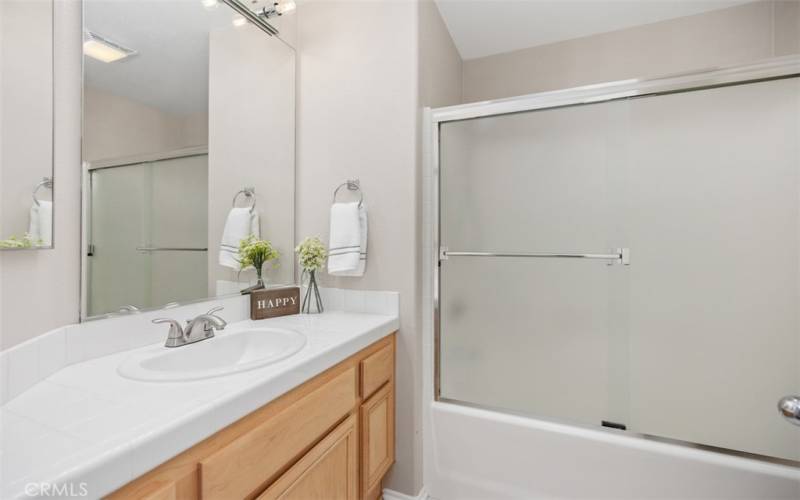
(311, 254)
(24, 242)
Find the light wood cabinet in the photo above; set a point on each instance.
(163, 491)
(330, 438)
(328, 472)
(256, 457)
(376, 370)
(377, 438)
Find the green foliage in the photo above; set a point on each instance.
(311, 254)
(24, 242)
(254, 252)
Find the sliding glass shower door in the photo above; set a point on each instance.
(697, 337)
(148, 234)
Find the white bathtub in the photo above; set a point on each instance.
(479, 454)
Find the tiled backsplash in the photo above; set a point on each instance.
(24, 365)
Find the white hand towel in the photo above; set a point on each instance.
(241, 223)
(362, 255)
(40, 227)
(348, 240)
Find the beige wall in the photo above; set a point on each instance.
(357, 119)
(252, 141)
(730, 36)
(360, 91)
(115, 127)
(440, 66)
(33, 281)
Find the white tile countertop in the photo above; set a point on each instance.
(88, 430)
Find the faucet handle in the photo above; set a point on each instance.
(215, 309)
(175, 330)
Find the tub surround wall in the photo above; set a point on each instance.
(736, 35)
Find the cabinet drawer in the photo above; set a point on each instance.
(329, 470)
(255, 458)
(377, 438)
(376, 370)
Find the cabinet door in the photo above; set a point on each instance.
(377, 438)
(255, 458)
(328, 472)
(174, 484)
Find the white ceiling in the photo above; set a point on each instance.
(170, 71)
(485, 27)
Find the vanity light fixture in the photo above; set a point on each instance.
(248, 15)
(103, 49)
(277, 9)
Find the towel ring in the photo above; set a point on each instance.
(352, 185)
(47, 182)
(249, 193)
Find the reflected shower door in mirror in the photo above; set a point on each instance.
(185, 105)
(698, 338)
(164, 209)
(26, 124)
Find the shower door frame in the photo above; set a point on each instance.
(779, 68)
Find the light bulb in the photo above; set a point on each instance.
(209, 4)
(285, 7)
(239, 21)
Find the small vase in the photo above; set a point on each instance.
(258, 286)
(312, 301)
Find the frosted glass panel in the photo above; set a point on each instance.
(155, 205)
(714, 225)
(536, 182)
(699, 337)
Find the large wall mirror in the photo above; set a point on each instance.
(26, 124)
(188, 147)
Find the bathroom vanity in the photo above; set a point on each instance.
(115, 413)
(331, 437)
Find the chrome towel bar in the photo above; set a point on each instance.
(47, 182)
(249, 192)
(620, 255)
(351, 185)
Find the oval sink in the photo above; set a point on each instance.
(224, 354)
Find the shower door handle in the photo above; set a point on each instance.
(789, 408)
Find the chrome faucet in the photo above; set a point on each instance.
(200, 328)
